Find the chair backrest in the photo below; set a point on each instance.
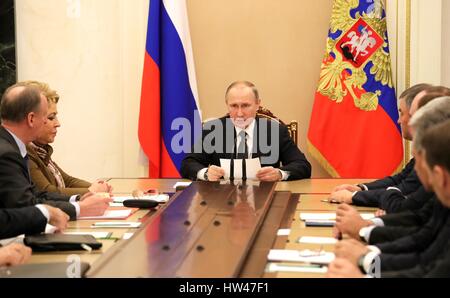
(291, 126)
(266, 113)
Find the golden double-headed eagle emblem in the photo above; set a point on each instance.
(360, 47)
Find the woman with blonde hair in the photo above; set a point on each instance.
(45, 173)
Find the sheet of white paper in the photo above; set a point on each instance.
(159, 198)
(110, 214)
(274, 267)
(96, 235)
(329, 216)
(283, 232)
(181, 183)
(253, 165)
(317, 240)
(302, 256)
(116, 224)
(127, 236)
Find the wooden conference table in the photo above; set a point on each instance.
(208, 229)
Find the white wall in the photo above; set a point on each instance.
(426, 45)
(92, 53)
(445, 72)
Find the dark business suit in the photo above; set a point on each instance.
(17, 221)
(406, 182)
(398, 225)
(290, 158)
(422, 247)
(406, 179)
(392, 200)
(16, 188)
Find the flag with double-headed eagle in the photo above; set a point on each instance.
(353, 130)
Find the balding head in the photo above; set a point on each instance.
(18, 101)
(23, 111)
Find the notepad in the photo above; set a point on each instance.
(302, 256)
(283, 232)
(317, 240)
(96, 235)
(116, 224)
(111, 214)
(329, 216)
(275, 267)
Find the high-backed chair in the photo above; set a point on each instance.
(266, 113)
(291, 126)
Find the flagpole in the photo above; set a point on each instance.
(407, 153)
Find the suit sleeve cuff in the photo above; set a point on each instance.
(369, 259)
(377, 221)
(44, 211)
(284, 175)
(365, 232)
(363, 187)
(201, 174)
(77, 207)
(394, 188)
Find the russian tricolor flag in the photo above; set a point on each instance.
(169, 90)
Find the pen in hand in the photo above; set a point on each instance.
(331, 201)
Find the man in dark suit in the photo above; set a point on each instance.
(404, 183)
(425, 252)
(23, 113)
(243, 132)
(30, 220)
(415, 213)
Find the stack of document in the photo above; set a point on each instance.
(326, 219)
(116, 224)
(301, 256)
(302, 268)
(111, 214)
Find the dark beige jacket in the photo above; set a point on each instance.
(45, 181)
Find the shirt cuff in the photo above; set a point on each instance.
(393, 188)
(377, 221)
(284, 175)
(201, 174)
(369, 259)
(77, 207)
(73, 198)
(374, 249)
(363, 187)
(365, 232)
(44, 211)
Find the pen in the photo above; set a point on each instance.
(331, 201)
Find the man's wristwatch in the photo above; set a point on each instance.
(205, 175)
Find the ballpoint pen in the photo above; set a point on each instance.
(331, 201)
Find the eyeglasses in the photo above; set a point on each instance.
(312, 253)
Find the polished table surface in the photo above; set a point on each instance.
(291, 198)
